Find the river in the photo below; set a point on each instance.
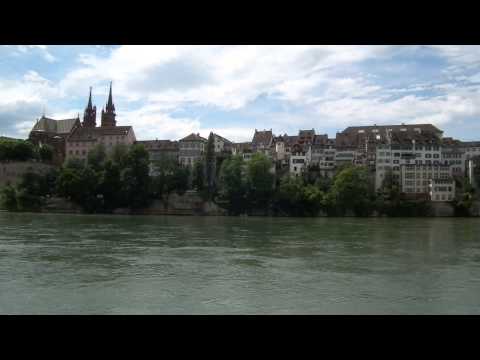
(100, 264)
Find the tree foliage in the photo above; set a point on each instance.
(232, 186)
(260, 180)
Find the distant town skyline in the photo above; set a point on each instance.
(168, 92)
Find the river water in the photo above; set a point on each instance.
(98, 264)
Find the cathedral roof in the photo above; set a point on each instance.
(64, 126)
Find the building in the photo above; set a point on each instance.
(442, 189)
(300, 159)
(416, 178)
(87, 136)
(263, 142)
(191, 149)
(222, 145)
(366, 139)
(54, 133)
(243, 149)
(159, 151)
(403, 148)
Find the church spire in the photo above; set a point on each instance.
(108, 116)
(89, 106)
(90, 114)
(110, 107)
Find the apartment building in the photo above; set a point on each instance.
(442, 189)
(415, 178)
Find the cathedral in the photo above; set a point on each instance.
(85, 137)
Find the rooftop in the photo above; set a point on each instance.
(92, 133)
(49, 125)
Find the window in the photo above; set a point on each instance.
(428, 156)
(396, 161)
(436, 156)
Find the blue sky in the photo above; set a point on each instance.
(167, 92)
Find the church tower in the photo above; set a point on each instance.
(90, 114)
(108, 115)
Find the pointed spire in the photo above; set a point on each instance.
(89, 106)
(110, 107)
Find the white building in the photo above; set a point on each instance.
(442, 189)
(300, 158)
(415, 179)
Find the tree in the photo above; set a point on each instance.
(81, 186)
(289, 196)
(23, 150)
(198, 176)
(170, 177)
(110, 186)
(119, 153)
(210, 166)
(97, 156)
(8, 196)
(136, 179)
(16, 150)
(45, 153)
(260, 180)
(351, 191)
(232, 187)
(295, 197)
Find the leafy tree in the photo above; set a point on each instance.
(294, 197)
(170, 177)
(97, 156)
(23, 151)
(45, 153)
(110, 186)
(198, 176)
(136, 179)
(74, 164)
(119, 154)
(351, 191)
(260, 180)
(210, 166)
(232, 187)
(8, 196)
(16, 150)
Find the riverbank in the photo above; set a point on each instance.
(191, 204)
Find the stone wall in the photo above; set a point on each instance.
(442, 209)
(11, 172)
(188, 204)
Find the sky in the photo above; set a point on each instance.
(168, 92)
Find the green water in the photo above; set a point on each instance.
(75, 264)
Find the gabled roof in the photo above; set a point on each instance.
(262, 138)
(223, 139)
(63, 126)
(193, 137)
(93, 133)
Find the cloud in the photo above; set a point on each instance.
(280, 87)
